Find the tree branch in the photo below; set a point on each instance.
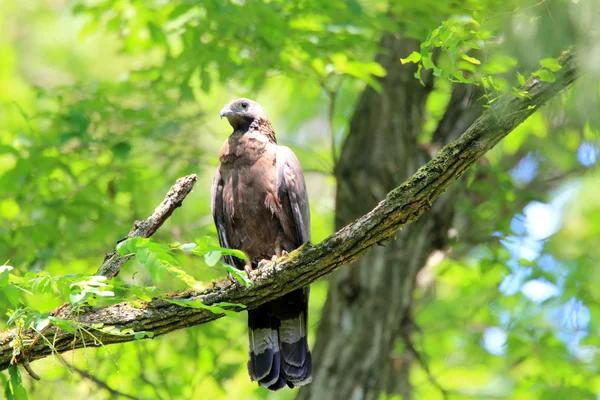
(183, 186)
(310, 262)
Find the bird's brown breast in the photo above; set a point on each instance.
(249, 173)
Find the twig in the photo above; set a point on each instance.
(30, 371)
(97, 381)
(113, 261)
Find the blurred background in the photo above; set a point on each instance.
(490, 295)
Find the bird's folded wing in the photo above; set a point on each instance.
(290, 185)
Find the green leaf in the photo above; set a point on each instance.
(5, 268)
(42, 323)
(42, 284)
(122, 247)
(140, 293)
(20, 393)
(551, 63)
(183, 276)
(142, 254)
(156, 33)
(180, 10)
(375, 69)
(78, 297)
(240, 276)
(427, 61)
(521, 79)
(472, 60)
(187, 92)
(197, 303)
(418, 74)
(121, 150)
(188, 246)
(545, 75)
(211, 259)
(205, 247)
(142, 334)
(8, 391)
(131, 244)
(5, 275)
(18, 390)
(472, 45)
(414, 57)
(461, 78)
(13, 294)
(9, 209)
(63, 324)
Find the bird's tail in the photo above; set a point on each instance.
(279, 353)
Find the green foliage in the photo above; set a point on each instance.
(303, 39)
(13, 389)
(455, 50)
(157, 258)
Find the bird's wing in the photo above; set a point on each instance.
(291, 310)
(219, 213)
(291, 186)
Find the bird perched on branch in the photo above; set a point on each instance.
(260, 206)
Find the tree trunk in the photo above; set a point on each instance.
(368, 304)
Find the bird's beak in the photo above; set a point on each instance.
(226, 111)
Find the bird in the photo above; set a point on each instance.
(260, 206)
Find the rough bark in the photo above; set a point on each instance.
(368, 304)
(401, 206)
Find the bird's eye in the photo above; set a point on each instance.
(244, 105)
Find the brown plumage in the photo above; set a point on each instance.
(260, 206)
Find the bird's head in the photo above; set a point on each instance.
(242, 112)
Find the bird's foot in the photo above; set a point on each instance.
(262, 262)
(248, 269)
(273, 260)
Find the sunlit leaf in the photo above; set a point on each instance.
(472, 60)
(212, 258)
(239, 275)
(551, 64)
(545, 75)
(197, 303)
(414, 57)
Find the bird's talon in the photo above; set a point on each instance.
(274, 262)
(248, 269)
(234, 281)
(262, 263)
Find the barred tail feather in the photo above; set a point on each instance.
(293, 347)
(296, 361)
(264, 364)
(279, 352)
